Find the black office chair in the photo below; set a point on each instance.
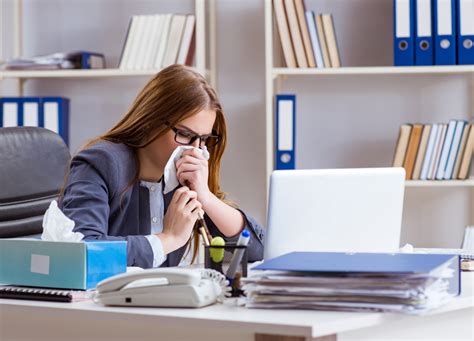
(33, 165)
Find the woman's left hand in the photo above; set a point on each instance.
(192, 170)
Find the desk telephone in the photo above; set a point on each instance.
(163, 287)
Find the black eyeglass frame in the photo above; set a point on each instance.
(194, 137)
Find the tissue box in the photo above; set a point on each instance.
(69, 265)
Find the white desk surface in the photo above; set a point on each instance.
(303, 323)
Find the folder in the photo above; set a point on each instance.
(448, 141)
(430, 151)
(285, 128)
(465, 32)
(424, 34)
(56, 116)
(9, 112)
(453, 152)
(30, 114)
(390, 264)
(403, 49)
(313, 33)
(444, 13)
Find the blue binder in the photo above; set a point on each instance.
(56, 116)
(285, 131)
(10, 111)
(465, 20)
(365, 263)
(403, 34)
(444, 13)
(424, 33)
(30, 113)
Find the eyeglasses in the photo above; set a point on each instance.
(185, 137)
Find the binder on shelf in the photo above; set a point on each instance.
(424, 34)
(285, 131)
(461, 149)
(330, 32)
(444, 14)
(174, 40)
(295, 34)
(465, 20)
(453, 152)
(448, 141)
(56, 116)
(467, 155)
(9, 112)
(429, 152)
(403, 42)
(402, 145)
(412, 150)
(421, 151)
(30, 113)
(438, 148)
(187, 47)
(90, 60)
(313, 33)
(322, 39)
(300, 12)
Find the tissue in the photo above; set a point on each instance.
(57, 227)
(170, 177)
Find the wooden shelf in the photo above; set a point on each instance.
(98, 73)
(377, 70)
(440, 183)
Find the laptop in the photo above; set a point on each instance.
(340, 210)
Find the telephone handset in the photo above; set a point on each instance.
(163, 287)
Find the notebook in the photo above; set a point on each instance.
(43, 294)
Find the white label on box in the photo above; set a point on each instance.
(40, 264)
(285, 125)
(466, 15)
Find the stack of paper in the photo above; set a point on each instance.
(407, 283)
(46, 62)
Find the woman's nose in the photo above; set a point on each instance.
(196, 143)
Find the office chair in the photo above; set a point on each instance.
(33, 165)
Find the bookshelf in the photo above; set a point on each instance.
(205, 55)
(350, 116)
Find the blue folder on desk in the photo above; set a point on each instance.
(389, 264)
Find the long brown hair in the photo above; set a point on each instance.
(175, 93)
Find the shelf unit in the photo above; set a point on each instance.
(205, 55)
(280, 79)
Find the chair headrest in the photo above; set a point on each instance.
(33, 163)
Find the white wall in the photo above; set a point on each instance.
(96, 104)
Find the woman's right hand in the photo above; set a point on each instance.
(179, 220)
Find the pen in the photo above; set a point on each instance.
(206, 235)
(238, 254)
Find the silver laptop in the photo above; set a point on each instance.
(352, 210)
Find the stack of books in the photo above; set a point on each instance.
(404, 283)
(435, 151)
(307, 39)
(156, 41)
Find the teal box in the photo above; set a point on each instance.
(68, 265)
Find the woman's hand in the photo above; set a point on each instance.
(179, 220)
(192, 170)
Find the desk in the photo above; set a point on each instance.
(21, 320)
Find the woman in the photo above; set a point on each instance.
(114, 187)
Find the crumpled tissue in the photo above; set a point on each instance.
(170, 177)
(57, 227)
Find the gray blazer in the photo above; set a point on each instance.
(104, 205)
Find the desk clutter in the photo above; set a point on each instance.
(439, 151)
(403, 283)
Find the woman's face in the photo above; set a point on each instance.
(162, 148)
